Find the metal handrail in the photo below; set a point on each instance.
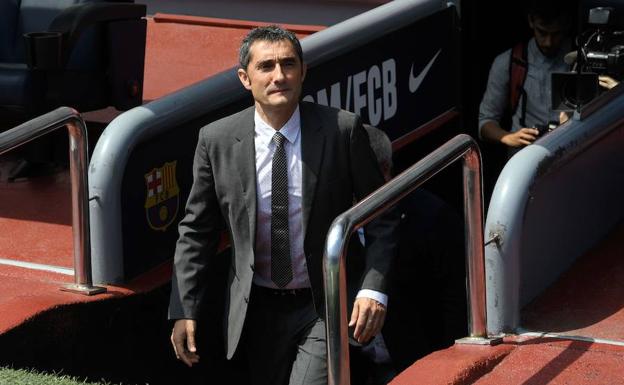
(460, 147)
(78, 163)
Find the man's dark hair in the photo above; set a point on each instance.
(272, 33)
(551, 11)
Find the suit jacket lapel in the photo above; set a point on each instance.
(245, 157)
(312, 143)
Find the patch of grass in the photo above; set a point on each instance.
(31, 377)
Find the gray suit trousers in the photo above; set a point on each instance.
(284, 339)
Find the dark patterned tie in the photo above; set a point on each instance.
(281, 265)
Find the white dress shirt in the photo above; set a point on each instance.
(265, 147)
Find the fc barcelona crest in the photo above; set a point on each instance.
(163, 196)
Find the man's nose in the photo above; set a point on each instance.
(547, 41)
(278, 73)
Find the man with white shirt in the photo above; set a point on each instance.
(519, 79)
(275, 176)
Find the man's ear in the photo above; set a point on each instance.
(304, 70)
(244, 78)
(530, 20)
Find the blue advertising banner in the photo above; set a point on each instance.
(397, 82)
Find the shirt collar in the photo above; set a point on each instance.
(290, 130)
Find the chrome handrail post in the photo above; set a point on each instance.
(336, 302)
(460, 147)
(473, 227)
(78, 163)
(80, 216)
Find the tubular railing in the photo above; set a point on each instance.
(461, 147)
(78, 163)
(579, 165)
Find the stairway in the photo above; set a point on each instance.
(573, 333)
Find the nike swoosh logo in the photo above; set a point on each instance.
(415, 81)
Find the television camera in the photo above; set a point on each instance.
(600, 53)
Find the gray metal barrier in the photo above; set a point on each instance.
(26, 132)
(461, 147)
(553, 201)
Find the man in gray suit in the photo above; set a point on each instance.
(275, 176)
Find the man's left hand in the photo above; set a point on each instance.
(607, 82)
(368, 316)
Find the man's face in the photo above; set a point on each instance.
(274, 74)
(548, 36)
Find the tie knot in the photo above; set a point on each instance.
(278, 138)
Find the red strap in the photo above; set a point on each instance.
(518, 68)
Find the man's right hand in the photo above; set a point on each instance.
(494, 133)
(183, 340)
(522, 137)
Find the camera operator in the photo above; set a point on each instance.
(519, 79)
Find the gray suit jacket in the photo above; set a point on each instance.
(338, 165)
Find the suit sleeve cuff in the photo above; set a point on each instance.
(373, 294)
